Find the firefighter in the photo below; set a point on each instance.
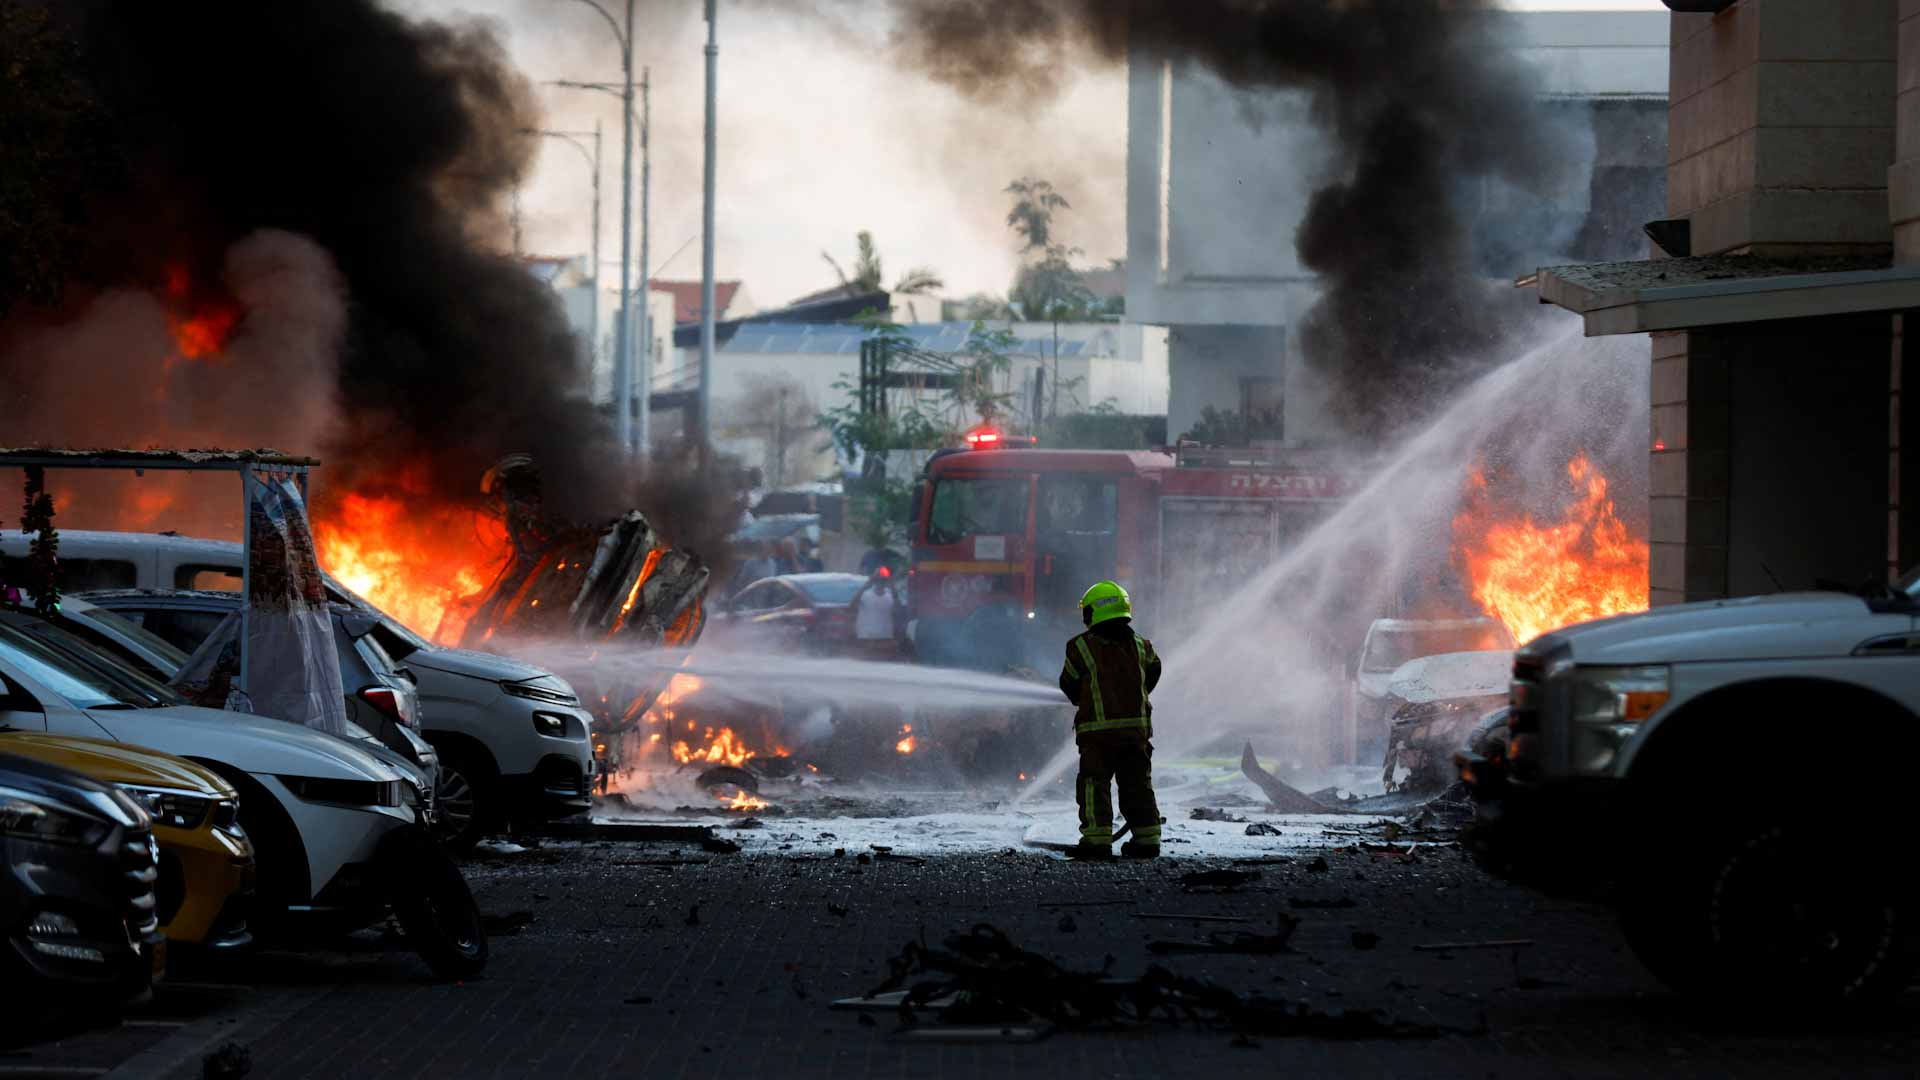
(1108, 673)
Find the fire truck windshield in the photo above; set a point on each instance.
(965, 506)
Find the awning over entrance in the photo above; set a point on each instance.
(1713, 290)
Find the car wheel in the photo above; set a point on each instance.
(1775, 916)
(434, 906)
(465, 799)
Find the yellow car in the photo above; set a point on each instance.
(206, 861)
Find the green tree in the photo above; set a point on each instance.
(868, 275)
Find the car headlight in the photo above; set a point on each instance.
(1609, 704)
(27, 818)
(347, 792)
(170, 807)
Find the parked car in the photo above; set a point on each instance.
(1725, 773)
(1392, 642)
(512, 739)
(339, 834)
(792, 612)
(380, 695)
(76, 900)
(206, 860)
(1432, 705)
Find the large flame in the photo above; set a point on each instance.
(421, 562)
(1536, 577)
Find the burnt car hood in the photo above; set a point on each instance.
(1452, 675)
(1777, 627)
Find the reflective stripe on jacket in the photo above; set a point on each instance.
(1109, 674)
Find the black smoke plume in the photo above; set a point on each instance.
(1421, 98)
(330, 132)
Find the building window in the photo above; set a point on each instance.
(1263, 402)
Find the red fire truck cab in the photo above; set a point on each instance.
(1005, 541)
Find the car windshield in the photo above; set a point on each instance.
(832, 590)
(966, 506)
(114, 623)
(1388, 649)
(68, 666)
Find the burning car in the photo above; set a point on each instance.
(1391, 643)
(1433, 704)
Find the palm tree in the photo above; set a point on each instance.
(867, 275)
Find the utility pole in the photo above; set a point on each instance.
(623, 327)
(623, 339)
(780, 440)
(704, 432)
(643, 424)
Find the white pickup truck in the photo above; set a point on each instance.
(1727, 774)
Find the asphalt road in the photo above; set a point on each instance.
(661, 959)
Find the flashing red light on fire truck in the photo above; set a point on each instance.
(987, 438)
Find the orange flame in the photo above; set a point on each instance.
(742, 800)
(905, 746)
(1537, 577)
(421, 563)
(724, 748)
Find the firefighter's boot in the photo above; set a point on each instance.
(1091, 852)
(1134, 849)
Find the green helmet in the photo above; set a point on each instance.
(1106, 600)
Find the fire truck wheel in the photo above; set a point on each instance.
(467, 798)
(1774, 916)
(434, 906)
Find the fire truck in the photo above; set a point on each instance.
(1006, 538)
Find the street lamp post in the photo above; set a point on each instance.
(706, 259)
(622, 336)
(573, 138)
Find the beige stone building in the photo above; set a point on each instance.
(1777, 302)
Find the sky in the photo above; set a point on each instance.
(820, 137)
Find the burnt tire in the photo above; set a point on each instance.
(467, 798)
(1775, 917)
(435, 908)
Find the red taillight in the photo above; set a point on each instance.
(390, 702)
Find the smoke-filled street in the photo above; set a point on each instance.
(914, 537)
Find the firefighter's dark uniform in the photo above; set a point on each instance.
(1108, 673)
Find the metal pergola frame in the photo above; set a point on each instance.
(243, 462)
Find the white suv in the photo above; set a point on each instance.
(1723, 771)
(513, 741)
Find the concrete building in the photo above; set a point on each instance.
(1778, 325)
(773, 378)
(1210, 219)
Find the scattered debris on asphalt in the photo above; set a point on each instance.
(1280, 795)
(1175, 916)
(1236, 941)
(1218, 880)
(232, 1061)
(998, 986)
(1204, 813)
(1310, 903)
(1455, 946)
(1261, 828)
